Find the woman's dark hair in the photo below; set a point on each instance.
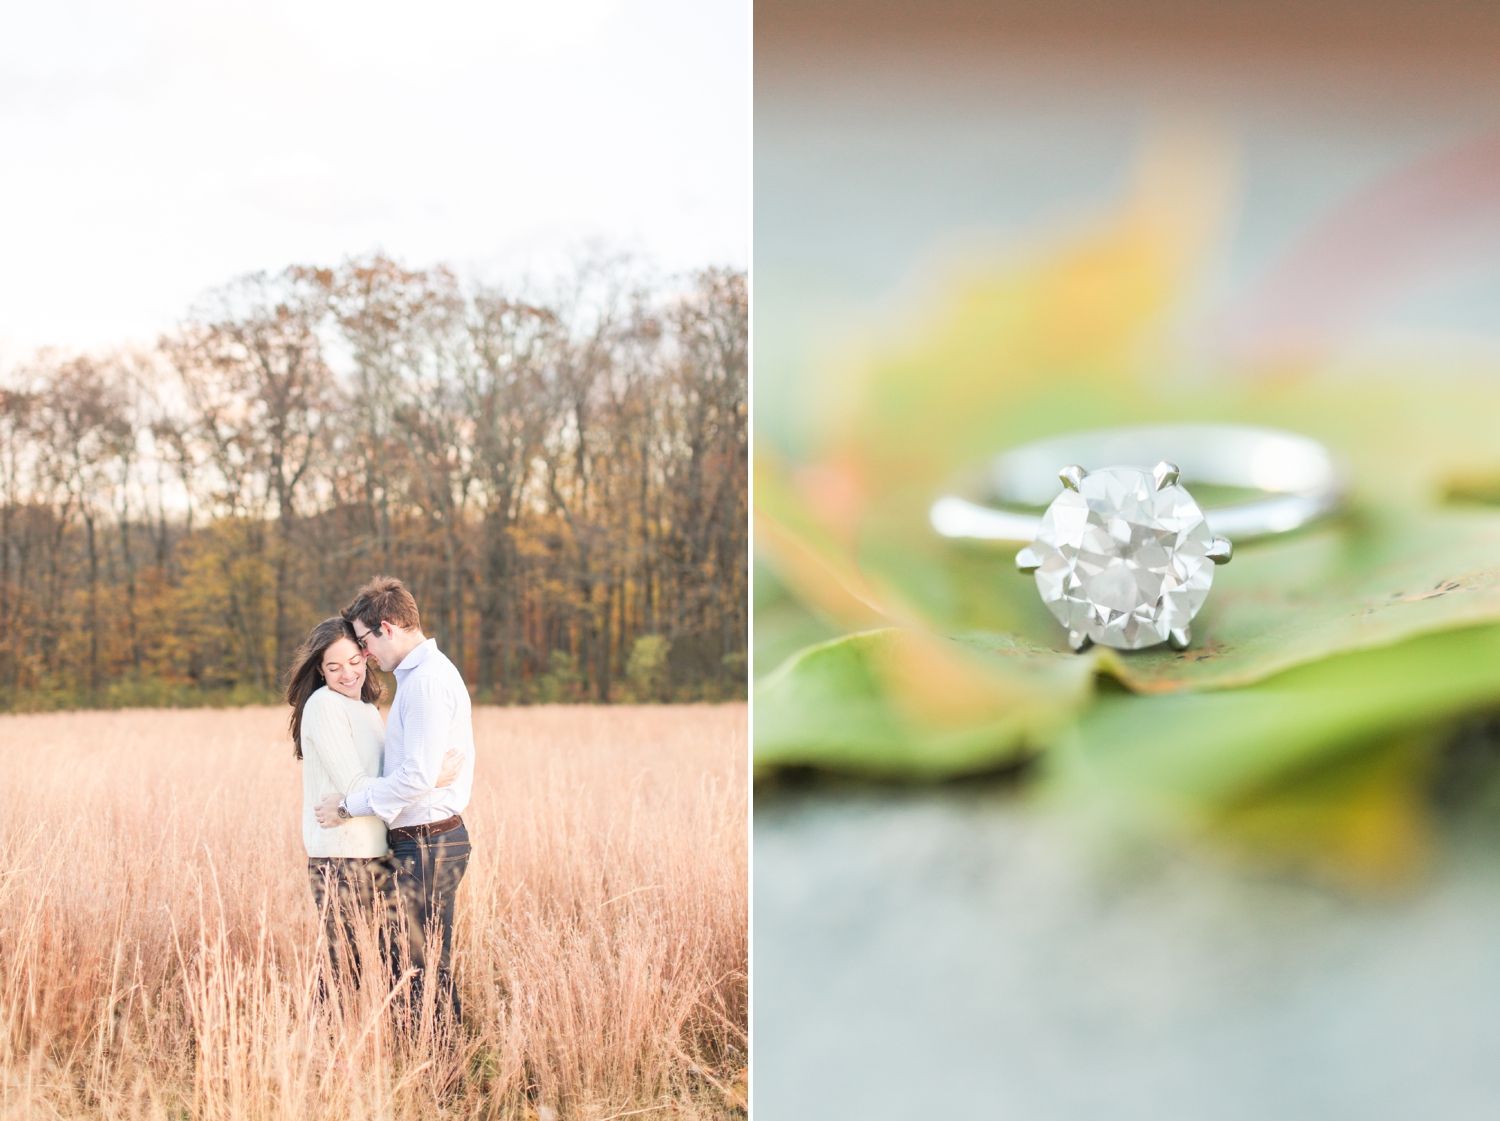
(306, 676)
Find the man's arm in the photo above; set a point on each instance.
(425, 719)
(327, 811)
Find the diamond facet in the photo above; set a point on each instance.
(1122, 562)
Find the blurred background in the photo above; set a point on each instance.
(954, 948)
(300, 294)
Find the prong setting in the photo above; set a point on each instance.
(1100, 548)
(1221, 550)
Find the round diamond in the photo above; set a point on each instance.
(1121, 561)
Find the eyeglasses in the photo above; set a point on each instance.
(364, 639)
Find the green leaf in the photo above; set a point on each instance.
(905, 704)
(1182, 753)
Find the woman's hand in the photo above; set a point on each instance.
(453, 762)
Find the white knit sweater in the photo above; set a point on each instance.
(343, 743)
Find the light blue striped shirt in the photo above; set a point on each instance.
(430, 714)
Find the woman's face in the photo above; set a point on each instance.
(344, 668)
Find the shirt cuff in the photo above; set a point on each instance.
(358, 804)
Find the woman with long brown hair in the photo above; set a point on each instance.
(338, 734)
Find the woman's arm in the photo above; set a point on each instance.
(328, 731)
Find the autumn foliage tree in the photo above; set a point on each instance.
(561, 480)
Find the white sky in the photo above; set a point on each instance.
(151, 149)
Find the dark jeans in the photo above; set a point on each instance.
(353, 893)
(427, 872)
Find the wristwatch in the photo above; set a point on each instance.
(344, 814)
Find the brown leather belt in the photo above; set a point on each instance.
(412, 832)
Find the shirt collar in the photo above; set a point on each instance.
(415, 658)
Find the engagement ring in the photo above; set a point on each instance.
(1124, 556)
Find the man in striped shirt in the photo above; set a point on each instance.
(430, 715)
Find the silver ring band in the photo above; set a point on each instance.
(1298, 475)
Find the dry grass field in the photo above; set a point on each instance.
(158, 942)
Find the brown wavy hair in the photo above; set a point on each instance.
(306, 675)
(384, 597)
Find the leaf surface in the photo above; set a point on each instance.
(906, 704)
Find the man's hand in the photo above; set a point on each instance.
(327, 812)
(453, 762)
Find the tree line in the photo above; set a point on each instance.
(561, 481)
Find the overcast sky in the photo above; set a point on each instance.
(154, 148)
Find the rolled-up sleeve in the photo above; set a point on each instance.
(426, 716)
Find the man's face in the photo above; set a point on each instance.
(379, 644)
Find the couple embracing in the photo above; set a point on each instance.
(382, 803)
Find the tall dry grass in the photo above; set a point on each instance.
(159, 946)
